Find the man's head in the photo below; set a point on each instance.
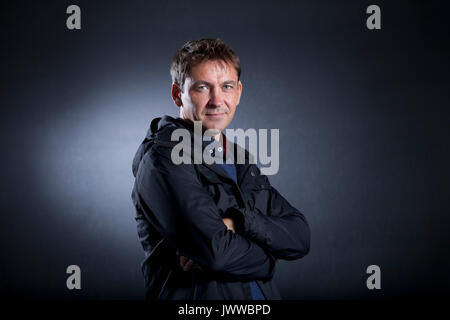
(205, 82)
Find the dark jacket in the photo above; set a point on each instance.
(180, 208)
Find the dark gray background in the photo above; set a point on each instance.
(363, 118)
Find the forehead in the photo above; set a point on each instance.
(212, 70)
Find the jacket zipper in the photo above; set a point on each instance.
(194, 285)
(241, 194)
(165, 283)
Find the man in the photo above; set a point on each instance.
(209, 231)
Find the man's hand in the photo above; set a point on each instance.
(187, 264)
(229, 223)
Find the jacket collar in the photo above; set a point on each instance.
(161, 131)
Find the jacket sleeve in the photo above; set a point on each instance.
(283, 231)
(177, 205)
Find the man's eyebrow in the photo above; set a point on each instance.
(196, 83)
(206, 83)
(199, 82)
(229, 82)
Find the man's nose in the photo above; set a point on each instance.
(216, 97)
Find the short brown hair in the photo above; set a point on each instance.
(195, 52)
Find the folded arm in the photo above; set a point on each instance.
(282, 230)
(177, 205)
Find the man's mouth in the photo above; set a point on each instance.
(215, 115)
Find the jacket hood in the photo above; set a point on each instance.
(161, 128)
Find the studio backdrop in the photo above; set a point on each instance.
(362, 111)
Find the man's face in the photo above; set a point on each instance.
(210, 94)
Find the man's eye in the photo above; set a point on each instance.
(201, 88)
(228, 87)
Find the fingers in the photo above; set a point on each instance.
(229, 223)
(183, 261)
(186, 264)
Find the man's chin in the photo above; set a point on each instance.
(213, 131)
(214, 125)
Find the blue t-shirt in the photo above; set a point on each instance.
(230, 169)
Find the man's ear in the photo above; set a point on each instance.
(176, 94)
(240, 91)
